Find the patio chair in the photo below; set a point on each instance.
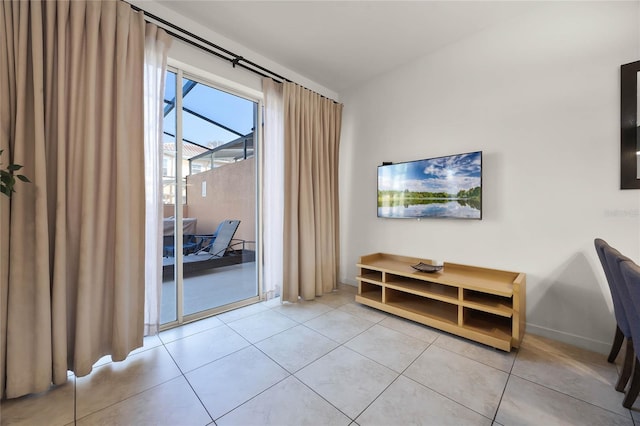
(190, 244)
(207, 240)
(221, 239)
(220, 252)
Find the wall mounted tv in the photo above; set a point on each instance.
(443, 187)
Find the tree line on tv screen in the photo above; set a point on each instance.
(414, 195)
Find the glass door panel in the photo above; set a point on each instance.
(168, 308)
(217, 168)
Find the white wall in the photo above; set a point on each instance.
(540, 97)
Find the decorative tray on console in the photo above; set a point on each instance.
(425, 267)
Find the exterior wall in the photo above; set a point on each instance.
(169, 210)
(230, 194)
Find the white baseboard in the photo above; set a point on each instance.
(350, 282)
(572, 339)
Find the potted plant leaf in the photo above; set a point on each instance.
(8, 178)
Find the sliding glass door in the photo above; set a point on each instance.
(210, 199)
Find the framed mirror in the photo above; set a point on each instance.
(629, 131)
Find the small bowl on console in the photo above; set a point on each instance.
(427, 267)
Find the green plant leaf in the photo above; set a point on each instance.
(8, 179)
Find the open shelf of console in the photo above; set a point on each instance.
(481, 304)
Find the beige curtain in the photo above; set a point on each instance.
(311, 218)
(72, 244)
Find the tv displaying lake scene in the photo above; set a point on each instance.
(443, 187)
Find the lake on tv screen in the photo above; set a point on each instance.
(452, 209)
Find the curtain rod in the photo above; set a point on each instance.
(235, 59)
(213, 49)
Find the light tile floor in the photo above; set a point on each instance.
(331, 362)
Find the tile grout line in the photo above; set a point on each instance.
(250, 344)
(574, 397)
(510, 373)
(401, 374)
(374, 323)
(290, 374)
(323, 398)
(182, 373)
(132, 395)
(434, 390)
(187, 380)
(506, 383)
(468, 357)
(569, 395)
(434, 343)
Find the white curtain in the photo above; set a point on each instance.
(273, 188)
(157, 43)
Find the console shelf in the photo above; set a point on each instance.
(481, 304)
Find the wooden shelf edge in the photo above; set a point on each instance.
(365, 301)
(441, 325)
(487, 339)
(369, 280)
(435, 278)
(370, 267)
(467, 332)
(426, 294)
(503, 312)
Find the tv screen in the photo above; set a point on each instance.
(443, 187)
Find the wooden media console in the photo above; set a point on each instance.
(481, 304)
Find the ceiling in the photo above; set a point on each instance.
(340, 44)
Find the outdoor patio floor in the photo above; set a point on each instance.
(210, 289)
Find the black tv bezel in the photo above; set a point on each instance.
(386, 164)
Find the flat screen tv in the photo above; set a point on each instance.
(443, 187)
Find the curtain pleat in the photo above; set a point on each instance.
(72, 277)
(311, 235)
